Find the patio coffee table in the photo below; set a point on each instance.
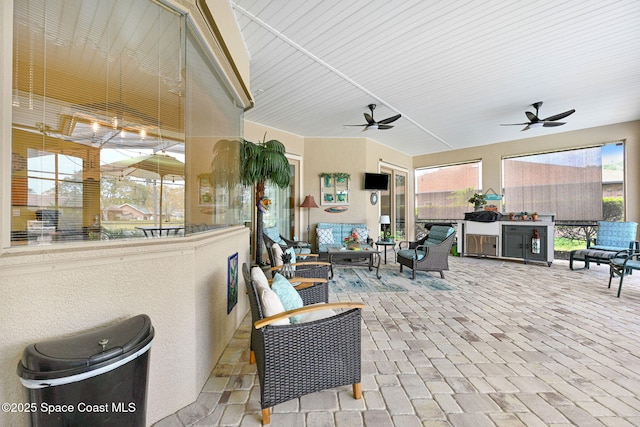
(345, 256)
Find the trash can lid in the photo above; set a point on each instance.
(85, 352)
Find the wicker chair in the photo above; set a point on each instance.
(312, 290)
(271, 236)
(307, 269)
(431, 253)
(299, 359)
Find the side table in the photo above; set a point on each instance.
(385, 244)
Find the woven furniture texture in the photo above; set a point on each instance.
(300, 359)
(428, 256)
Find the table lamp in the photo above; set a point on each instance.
(385, 220)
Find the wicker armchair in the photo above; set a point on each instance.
(299, 359)
(431, 253)
(312, 290)
(307, 269)
(271, 235)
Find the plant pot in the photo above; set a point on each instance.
(353, 245)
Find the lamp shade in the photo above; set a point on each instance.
(309, 202)
(385, 219)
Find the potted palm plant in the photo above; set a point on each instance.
(261, 162)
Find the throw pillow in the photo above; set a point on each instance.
(325, 236)
(276, 251)
(289, 297)
(271, 305)
(362, 234)
(258, 276)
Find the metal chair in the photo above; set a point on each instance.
(623, 264)
(298, 359)
(611, 238)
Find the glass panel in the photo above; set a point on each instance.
(400, 198)
(100, 92)
(572, 184)
(281, 212)
(442, 192)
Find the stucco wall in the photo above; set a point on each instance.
(180, 283)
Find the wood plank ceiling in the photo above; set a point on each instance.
(454, 69)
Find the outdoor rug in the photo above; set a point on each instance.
(360, 279)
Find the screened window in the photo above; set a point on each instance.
(575, 185)
(442, 192)
(118, 115)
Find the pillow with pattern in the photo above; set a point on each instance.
(325, 236)
(289, 297)
(363, 234)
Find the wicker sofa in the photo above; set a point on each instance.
(332, 234)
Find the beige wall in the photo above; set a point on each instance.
(351, 155)
(180, 283)
(491, 156)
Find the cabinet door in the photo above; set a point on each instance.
(512, 243)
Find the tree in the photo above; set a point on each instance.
(261, 162)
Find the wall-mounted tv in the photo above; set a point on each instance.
(376, 181)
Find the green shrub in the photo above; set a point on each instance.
(612, 208)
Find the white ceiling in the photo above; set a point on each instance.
(454, 69)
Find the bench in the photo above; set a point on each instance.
(611, 238)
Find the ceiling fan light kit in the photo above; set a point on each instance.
(372, 124)
(535, 122)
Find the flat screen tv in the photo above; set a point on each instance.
(376, 181)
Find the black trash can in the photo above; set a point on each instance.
(93, 379)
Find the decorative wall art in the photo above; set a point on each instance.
(205, 190)
(334, 188)
(232, 282)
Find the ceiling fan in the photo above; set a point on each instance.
(534, 121)
(372, 124)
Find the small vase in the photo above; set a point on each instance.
(287, 270)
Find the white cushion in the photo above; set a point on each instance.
(258, 276)
(362, 233)
(271, 305)
(276, 251)
(314, 315)
(289, 297)
(325, 236)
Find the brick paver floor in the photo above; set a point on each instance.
(511, 344)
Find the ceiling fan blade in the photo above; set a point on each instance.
(532, 117)
(552, 124)
(382, 126)
(369, 118)
(559, 116)
(514, 124)
(390, 119)
(526, 127)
